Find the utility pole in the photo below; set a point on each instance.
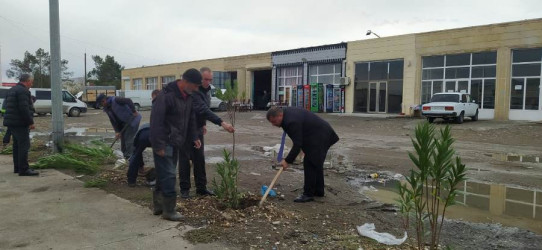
(56, 88)
(85, 83)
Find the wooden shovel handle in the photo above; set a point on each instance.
(270, 186)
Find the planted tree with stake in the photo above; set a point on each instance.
(228, 170)
(432, 186)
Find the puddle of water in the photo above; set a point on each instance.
(517, 158)
(480, 202)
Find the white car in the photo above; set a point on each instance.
(217, 104)
(452, 105)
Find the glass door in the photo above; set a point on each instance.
(378, 92)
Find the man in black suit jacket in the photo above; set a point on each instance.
(311, 134)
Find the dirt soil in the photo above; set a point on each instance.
(367, 145)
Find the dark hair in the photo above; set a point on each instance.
(155, 92)
(205, 69)
(273, 112)
(192, 76)
(25, 77)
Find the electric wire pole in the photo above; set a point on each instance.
(56, 83)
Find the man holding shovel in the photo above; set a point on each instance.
(124, 118)
(311, 134)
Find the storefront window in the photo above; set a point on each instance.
(325, 73)
(467, 72)
(379, 86)
(290, 76)
(526, 75)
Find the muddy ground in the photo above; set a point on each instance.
(368, 145)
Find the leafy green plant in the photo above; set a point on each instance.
(63, 161)
(226, 188)
(7, 150)
(432, 186)
(95, 183)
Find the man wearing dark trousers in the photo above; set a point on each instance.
(173, 122)
(124, 118)
(141, 142)
(311, 134)
(19, 119)
(202, 102)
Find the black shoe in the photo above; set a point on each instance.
(304, 198)
(185, 194)
(205, 192)
(29, 172)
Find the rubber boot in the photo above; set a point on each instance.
(157, 202)
(169, 213)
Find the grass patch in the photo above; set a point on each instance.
(63, 161)
(95, 183)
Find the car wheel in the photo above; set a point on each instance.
(222, 106)
(74, 112)
(430, 119)
(475, 117)
(137, 106)
(459, 119)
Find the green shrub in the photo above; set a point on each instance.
(95, 183)
(226, 188)
(432, 186)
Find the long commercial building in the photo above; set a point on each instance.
(500, 65)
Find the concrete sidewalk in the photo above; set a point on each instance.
(55, 211)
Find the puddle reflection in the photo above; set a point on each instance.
(516, 158)
(482, 202)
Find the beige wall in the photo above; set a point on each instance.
(381, 49)
(497, 37)
(243, 65)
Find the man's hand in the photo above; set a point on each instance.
(197, 144)
(204, 129)
(161, 152)
(117, 135)
(228, 127)
(284, 165)
(32, 127)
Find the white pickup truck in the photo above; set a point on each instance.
(450, 105)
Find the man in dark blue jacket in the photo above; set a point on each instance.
(19, 119)
(311, 134)
(124, 118)
(173, 123)
(202, 102)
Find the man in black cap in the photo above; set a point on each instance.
(19, 118)
(173, 123)
(202, 102)
(124, 118)
(311, 134)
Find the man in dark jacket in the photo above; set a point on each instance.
(311, 134)
(19, 119)
(141, 142)
(173, 122)
(202, 102)
(124, 118)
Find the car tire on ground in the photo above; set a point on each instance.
(430, 119)
(74, 112)
(459, 119)
(137, 106)
(475, 117)
(222, 106)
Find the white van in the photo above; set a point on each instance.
(70, 105)
(140, 98)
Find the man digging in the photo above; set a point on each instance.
(311, 134)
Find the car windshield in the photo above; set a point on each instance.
(445, 98)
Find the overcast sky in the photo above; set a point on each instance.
(145, 32)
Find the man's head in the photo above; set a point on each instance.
(101, 100)
(275, 115)
(26, 80)
(190, 81)
(207, 76)
(154, 94)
